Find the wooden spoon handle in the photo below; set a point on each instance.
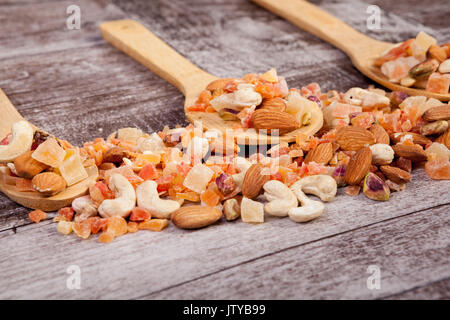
(142, 45)
(8, 115)
(318, 22)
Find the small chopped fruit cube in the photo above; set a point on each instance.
(106, 237)
(64, 227)
(140, 214)
(82, 229)
(438, 169)
(117, 226)
(420, 46)
(148, 172)
(189, 196)
(210, 198)
(198, 178)
(252, 211)
(72, 169)
(37, 215)
(143, 159)
(153, 224)
(437, 151)
(66, 213)
(438, 83)
(24, 185)
(129, 134)
(97, 224)
(132, 227)
(50, 153)
(397, 69)
(394, 53)
(270, 76)
(126, 171)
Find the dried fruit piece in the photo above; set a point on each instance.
(27, 167)
(153, 224)
(82, 229)
(97, 224)
(198, 177)
(50, 153)
(444, 139)
(254, 181)
(438, 83)
(438, 169)
(48, 183)
(106, 237)
(437, 151)
(375, 188)
(133, 227)
(414, 153)
(210, 198)
(72, 169)
(66, 213)
(252, 211)
(64, 227)
(194, 217)
(396, 175)
(358, 166)
(352, 190)
(37, 215)
(117, 226)
(320, 154)
(354, 138)
(272, 120)
(140, 214)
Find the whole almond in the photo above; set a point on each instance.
(416, 138)
(444, 138)
(48, 183)
(269, 119)
(274, 104)
(414, 153)
(381, 136)
(438, 53)
(320, 154)
(254, 181)
(396, 175)
(353, 138)
(27, 167)
(358, 166)
(194, 217)
(437, 113)
(435, 127)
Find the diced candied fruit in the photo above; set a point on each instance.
(394, 53)
(164, 182)
(64, 227)
(143, 159)
(37, 215)
(421, 44)
(438, 169)
(438, 83)
(50, 153)
(139, 214)
(153, 224)
(363, 120)
(97, 224)
(129, 134)
(189, 196)
(72, 169)
(106, 237)
(117, 226)
(66, 213)
(198, 177)
(210, 198)
(133, 227)
(399, 68)
(437, 151)
(24, 185)
(82, 229)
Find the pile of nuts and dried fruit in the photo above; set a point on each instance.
(369, 140)
(419, 63)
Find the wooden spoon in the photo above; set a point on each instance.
(142, 45)
(36, 200)
(362, 50)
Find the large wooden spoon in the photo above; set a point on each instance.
(142, 45)
(35, 200)
(362, 50)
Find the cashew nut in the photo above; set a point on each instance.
(320, 185)
(309, 210)
(148, 198)
(242, 164)
(21, 141)
(366, 99)
(85, 207)
(280, 198)
(244, 96)
(125, 198)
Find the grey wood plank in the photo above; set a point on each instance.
(409, 252)
(433, 291)
(149, 262)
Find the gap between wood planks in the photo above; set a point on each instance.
(293, 247)
(416, 291)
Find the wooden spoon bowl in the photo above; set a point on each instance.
(361, 49)
(35, 200)
(142, 45)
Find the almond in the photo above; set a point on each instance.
(358, 166)
(48, 183)
(27, 167)
(417, 138)
(269, 119)
(381, 136)
(438, 53)
(444, 138)
(352, 138)
(396, 175)
(320, 154)
(437, 113)
(254, 181)
(115, 155)
(414, 153)
(274, 104)
(194, 217)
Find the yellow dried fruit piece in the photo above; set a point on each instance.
(72, 169)
(153, 224)
(64, 227)
(50, 153)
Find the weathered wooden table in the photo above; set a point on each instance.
(73, 84)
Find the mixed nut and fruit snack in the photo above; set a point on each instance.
(261, 101)
(420, 63)
(370, 141)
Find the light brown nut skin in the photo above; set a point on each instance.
(358, 166)
(27, 167)
(437, 113)
(269, 119)
(320, 154)
(381, 136)
(115, 155)
(48, 183)
(417, 138)
(414, 153)
(195, 217)
(254, 181)
(274, 104)
(353, 138)
(435, 127)
(396, 175)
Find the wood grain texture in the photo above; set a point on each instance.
(74, 85)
